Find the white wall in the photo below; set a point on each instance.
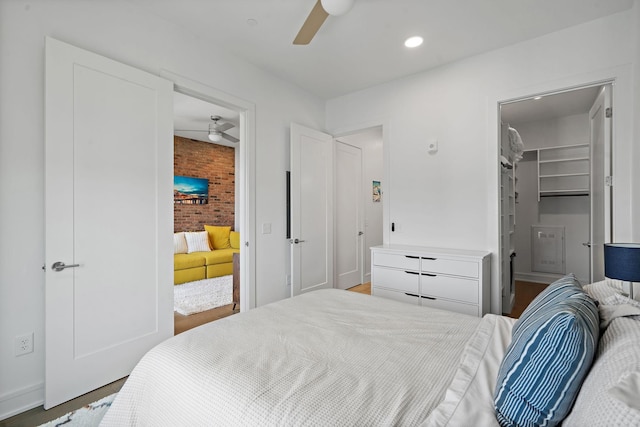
(569, 212)
(372, 171)
(120, 31)
(451, 199)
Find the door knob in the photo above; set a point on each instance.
(587, 244)
(296, 241)
(59, 266)
(360, 233)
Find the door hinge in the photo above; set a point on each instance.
(608, 181)
(608, 112)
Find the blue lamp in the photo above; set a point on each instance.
(622, 262)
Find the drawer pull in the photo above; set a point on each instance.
(430, 259)
(412, 257)
(412, 272)
(431, 298)
(411, 295)
(430, 275)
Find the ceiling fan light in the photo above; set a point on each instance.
(337, 7)
(215, 136)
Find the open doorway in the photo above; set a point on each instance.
(359, 204)
(206, 212)
(555, 187)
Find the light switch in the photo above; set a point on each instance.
(266, 228)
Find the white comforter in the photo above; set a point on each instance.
(326, 358)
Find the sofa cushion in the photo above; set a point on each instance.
(197, 241)
(219, 256)
(218, 236)
(234, 239)
(183, 261)
(179, 243)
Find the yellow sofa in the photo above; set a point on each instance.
(200, 265)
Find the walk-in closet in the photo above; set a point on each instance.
(555, 187)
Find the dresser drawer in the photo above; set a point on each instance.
(454, 288)
(395, 295)
(399, 280)
(408, 262)
(449, 266)
(469, 309)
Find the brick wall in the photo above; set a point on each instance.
(217, 164)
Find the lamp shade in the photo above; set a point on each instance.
(622, 261)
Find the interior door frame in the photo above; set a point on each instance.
(621, 77)
(246, 175)
(608, 223)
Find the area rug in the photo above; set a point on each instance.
(87, 416)
(201, 295)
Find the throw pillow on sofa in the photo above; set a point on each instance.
(179, 243)
(234, 239)
(197, 241)
(218, 236)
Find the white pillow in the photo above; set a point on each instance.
(627, 390)
(179, 243)
(197, 241)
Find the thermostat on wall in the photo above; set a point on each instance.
(432, 146)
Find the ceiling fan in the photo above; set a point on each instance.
(321, 10)
(216, 130)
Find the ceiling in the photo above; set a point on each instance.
(191, 118)
(365, 47)
(550, 106)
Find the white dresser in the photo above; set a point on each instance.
(449, 279)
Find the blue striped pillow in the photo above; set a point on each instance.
(552, 347)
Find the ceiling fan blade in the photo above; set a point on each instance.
(311, 26)
(191, 130)
(230, 138)
(222, 127)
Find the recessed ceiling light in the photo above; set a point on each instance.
(414, 41)
(252, 22)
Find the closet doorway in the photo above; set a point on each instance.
(555, 186)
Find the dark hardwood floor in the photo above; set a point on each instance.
(525, 293)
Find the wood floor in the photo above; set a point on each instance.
(183, 323)
(525, 293)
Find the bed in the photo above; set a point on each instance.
(340, 358)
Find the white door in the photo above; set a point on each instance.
(108, 202)
(600, 190)
(311, 210)
(348, 224)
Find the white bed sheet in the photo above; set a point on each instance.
(469, 399)
(324, 358)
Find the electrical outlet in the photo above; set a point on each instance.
(23, 344)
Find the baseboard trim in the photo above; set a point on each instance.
(19, 401)
(543, 278)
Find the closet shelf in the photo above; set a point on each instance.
(560, 175)
(569, 159)
(563, 193)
